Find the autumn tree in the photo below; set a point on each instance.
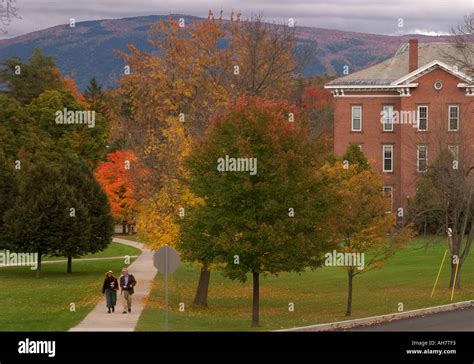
(263, 221)
(318, 107)
(264, 58)
(463, 37)
(118, 177)
(172, 93)
(445, 197)
(359, 217)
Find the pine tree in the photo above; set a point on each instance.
(95, 97)
(87, 190)
(46, 214)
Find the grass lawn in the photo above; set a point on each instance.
(318, 296)
(31, 304)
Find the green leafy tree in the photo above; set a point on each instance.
(26, 81)
(80, 140)
(259, 222)
(18, 135)
(356, 158)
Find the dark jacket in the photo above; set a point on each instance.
(131, 283)
(110, 283)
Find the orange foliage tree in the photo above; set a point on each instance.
(118, 176)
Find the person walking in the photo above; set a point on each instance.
(110, 288)
(127, 282)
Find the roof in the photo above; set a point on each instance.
(395, 68)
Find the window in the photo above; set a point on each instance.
(388, 193)
(454, 149)
(388, 118)
(356, 118)
(421, 158)
(387, 151)
(453, 118)
(360, 147)
(422, 118)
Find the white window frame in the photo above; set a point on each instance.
(391, 196)
(418, 117)
(360, 118)
(449, 117)
(418, 159)
(388, 117)
(454, 150)
(388, 147)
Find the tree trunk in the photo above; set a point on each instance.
(350, 277)
(38, 268)
(453, 273)
(124, 227)
(200, 299)
(256, 298)
(69, 264)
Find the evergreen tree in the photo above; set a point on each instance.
(46, 214)
(95, 96)
(8, 194)
(87, 190)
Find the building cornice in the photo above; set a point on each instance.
(403, 84)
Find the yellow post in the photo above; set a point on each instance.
(455, 277)
(439, 272)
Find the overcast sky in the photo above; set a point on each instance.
(374, 16)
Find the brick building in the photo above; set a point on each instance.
(402, 111)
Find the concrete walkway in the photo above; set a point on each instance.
(144, 271)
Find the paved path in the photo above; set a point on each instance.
(460, 320)
(144, 271)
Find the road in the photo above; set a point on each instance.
(459, 320)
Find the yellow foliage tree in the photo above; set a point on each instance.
(359, 220)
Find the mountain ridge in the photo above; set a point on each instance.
(89, 49)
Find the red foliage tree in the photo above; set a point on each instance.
(118, 177)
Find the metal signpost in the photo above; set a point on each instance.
(166, 260)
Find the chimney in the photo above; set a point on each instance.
(412, 55)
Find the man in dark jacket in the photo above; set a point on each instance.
(127, 282)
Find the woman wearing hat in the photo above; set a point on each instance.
(110, 289)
